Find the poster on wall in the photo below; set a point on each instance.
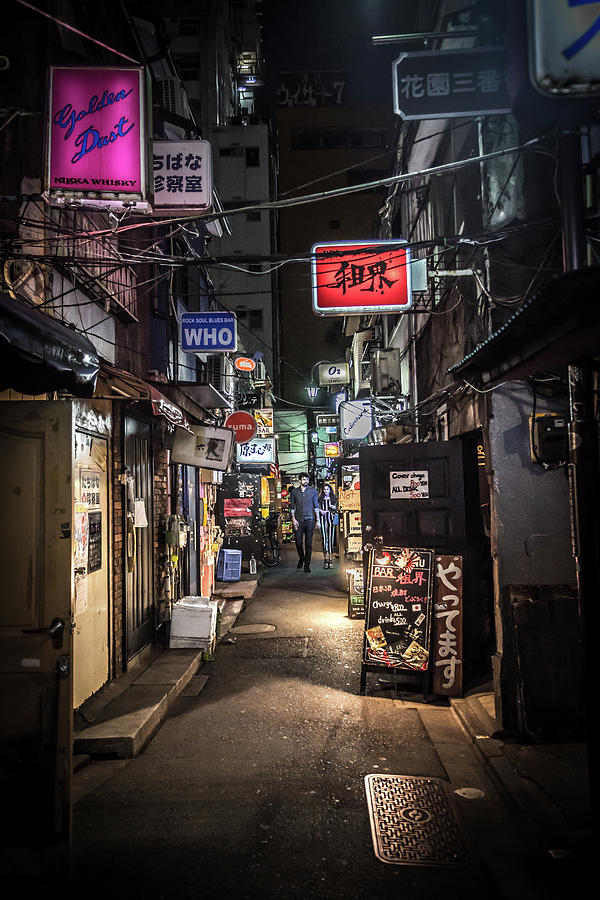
(409, 485)
(398, 601)
(96, 137)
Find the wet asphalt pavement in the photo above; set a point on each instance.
(254, 788)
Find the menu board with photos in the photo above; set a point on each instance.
(398, 602)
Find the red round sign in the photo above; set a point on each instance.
(243, 424)
(244, 364)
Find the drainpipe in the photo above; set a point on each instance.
(584, 470)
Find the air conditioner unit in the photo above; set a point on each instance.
(173, 97)
(260, 374)
(385, 372)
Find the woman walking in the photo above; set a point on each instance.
(328, 512)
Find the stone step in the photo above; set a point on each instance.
(126, 724)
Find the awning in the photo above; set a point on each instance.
(558, 326)
(40, 354)
(205, 395)
(117, 384)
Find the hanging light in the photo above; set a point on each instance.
(312, 390)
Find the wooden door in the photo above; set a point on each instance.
(412, 495)
(36, 708)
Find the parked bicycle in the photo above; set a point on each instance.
(270, 549)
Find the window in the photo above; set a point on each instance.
(252, 156)
(291, 442)
(253, 215)
(231, 151)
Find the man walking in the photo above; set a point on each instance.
(304, 503)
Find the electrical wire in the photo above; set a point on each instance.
(82, 34)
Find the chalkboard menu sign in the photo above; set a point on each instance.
(398, 608)
(95, 541)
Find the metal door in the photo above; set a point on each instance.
(139, 580)
(412, 495)
(36, 707)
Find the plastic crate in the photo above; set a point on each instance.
(229, 566)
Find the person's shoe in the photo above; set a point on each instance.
(300, 563)
(307, 568)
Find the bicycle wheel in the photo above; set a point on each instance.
(271, 553)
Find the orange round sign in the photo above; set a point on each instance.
(243, 424)
(244, 364)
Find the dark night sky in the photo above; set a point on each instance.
(335, 35)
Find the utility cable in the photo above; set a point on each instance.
(82, 34)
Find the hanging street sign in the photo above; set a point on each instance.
(182, 176)
(96, 137)
(325, 419)
(244, 364)
(361, 277)
(243, 424)
(333, 373)
(356, 419)
(257, 451)
(208, 332)
(442, 84)
(564, 43)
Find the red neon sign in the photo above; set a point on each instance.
(356, 277)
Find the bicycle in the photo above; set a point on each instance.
(270, 548)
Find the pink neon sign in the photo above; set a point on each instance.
(96, 131)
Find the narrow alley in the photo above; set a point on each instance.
(255, 787)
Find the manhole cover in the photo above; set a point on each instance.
(251, 629)
(274, 648)
(414, 822)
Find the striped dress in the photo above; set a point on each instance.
(327, 527)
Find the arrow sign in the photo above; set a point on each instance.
(208, 332)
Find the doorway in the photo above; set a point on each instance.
(139, 576)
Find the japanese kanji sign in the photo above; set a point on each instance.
(359, 277)
(446, 83)
(311, 89)
(182, 175)
(564, 40)
(447, 643)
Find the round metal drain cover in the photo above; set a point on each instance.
(251, 629)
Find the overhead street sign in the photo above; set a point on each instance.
(324, 420)
(564, 41)
(361, 277)
(208, 332)
(443, 84)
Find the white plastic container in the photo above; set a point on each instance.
(193, 623)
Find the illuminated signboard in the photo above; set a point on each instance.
(96, 137)
(257, 451)
(334, 373)
(361, 277)
(214, 331)
(182, 176)
(331, 450)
